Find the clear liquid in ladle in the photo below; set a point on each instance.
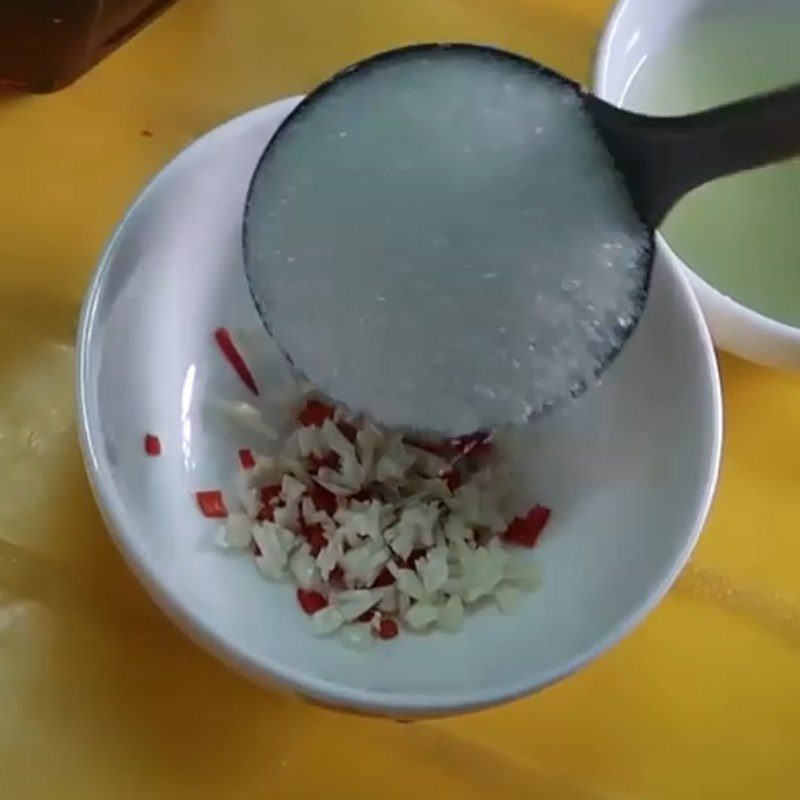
(441, 241)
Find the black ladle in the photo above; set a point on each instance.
(660, 158)
(664, 158)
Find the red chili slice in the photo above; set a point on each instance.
(452, 480)
(311, 602)
(349, 431)
(246, 458)
(367, 615)
(481, 449)
(331, 459)
(443, 448)
(315, 536)
(387, 628)
(385, 578)
(152, 445)
(525, 531)
(268, 494)
(324, 500)
(266, 514)
(476, 445)
(336, 577)
(226, 344)
(212, 504)
(314, 413)
(415, 555)
(363, 495)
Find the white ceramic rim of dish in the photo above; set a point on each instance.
(735, 327)
(120, 522)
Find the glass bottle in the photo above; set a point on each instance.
(47, 44)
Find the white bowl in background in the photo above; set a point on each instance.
(635, 29)
(629, 469)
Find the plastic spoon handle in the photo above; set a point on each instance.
(664, 158)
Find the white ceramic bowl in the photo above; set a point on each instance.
(635, 29)
(629, 469)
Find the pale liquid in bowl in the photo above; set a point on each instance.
(741, 233)
(442, 241)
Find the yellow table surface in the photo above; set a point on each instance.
(100, 696)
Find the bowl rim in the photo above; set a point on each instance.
(122, 527)
(715, 301)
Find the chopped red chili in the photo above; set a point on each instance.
(525, 531)
(266, 514)
(311, 602)
(315, 536)
(246, 458)
(387, 628)
(330, 459)
(226, 344)
(452, 480)
(336, 577)
(416, 555)
(212, 503)
(152, 445)
(364, 495)
(443, 447)
(474, 444)
(385, 578)
(314, 413)
(367, 615)
(349, 431)
(470, 439)
(324, 500)
(268, 495)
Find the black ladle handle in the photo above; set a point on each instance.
(664, 158)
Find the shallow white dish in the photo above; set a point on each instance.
(629, 469)
(635, 29)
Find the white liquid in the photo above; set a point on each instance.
(740, 233)
(441, 241)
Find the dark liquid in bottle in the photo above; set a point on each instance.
(46, 44)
